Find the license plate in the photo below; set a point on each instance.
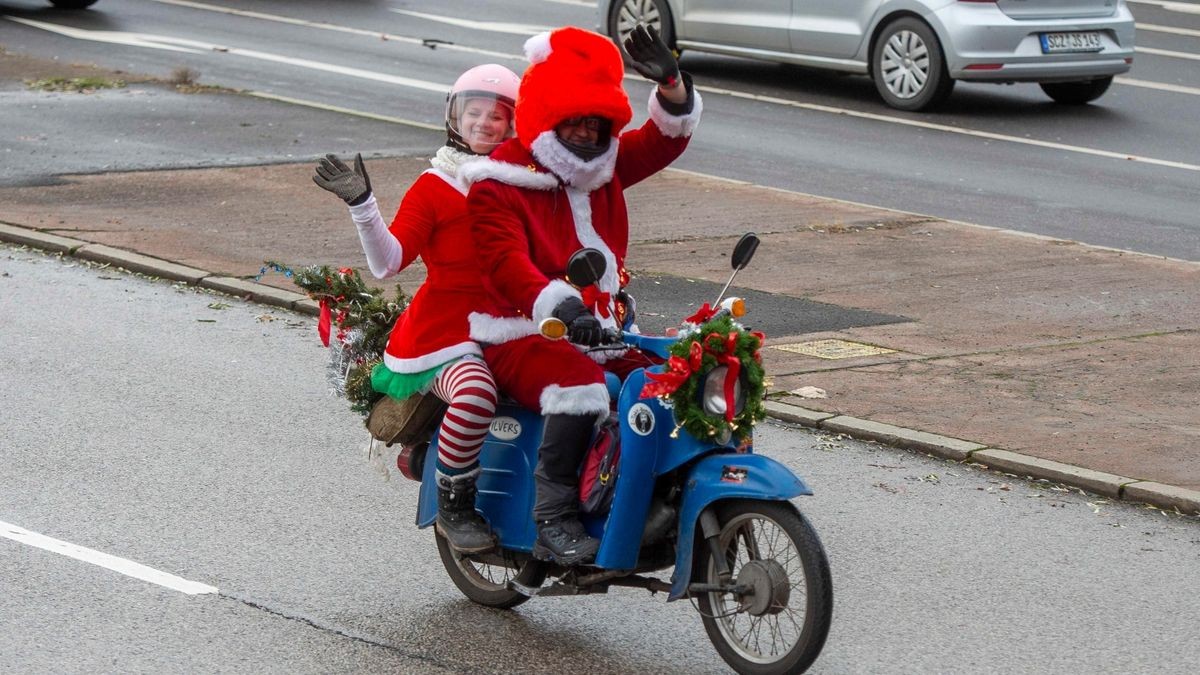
(1055, 43)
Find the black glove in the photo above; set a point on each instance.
(582, 327)
(651, 57)
(352, 186)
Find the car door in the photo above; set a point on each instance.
(830, 28)
(754, 24)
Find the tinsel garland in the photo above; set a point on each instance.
(364, 318)
(697, 352)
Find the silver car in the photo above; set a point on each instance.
(914, 50)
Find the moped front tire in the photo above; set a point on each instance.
(771, 545)
(487, 584)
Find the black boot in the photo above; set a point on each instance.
(561, 536)
(565, 542)
(457, 520)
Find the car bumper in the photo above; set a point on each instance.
(976, 36)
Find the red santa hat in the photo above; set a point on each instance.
(572, 73)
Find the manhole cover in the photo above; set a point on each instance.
(833, 349)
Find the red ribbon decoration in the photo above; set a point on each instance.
(598, 300)
(731, 361)
(703, 314)
(324, 321)
(677, 372)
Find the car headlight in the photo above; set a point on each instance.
(713, 397)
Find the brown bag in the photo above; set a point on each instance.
(406, 422)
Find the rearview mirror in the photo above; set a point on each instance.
(585, 267)
(744, 251)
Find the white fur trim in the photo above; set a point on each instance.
(578, 400)
(507, 173)
(450, 180)
(581, 212)
(499, 329)
(555, 292)
(537, 48)
(587, 175)
(427, 361)
(675, 126)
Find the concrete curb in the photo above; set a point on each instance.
(1118, 487)
(1109, 485)
(157, 267)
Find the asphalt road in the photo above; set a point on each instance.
(973, 161)
(193, 433)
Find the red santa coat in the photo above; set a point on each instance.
(528, 218)
(432, 222)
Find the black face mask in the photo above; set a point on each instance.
(591, 151)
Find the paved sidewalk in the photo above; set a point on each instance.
(1035, 356)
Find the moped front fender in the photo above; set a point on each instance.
(726, 476)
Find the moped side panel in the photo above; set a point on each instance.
(505, 487)
(622, 538)
(726, 476)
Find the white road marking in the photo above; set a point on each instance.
(489, 26)
(442, 88)
(1161, 86)
(1154, 28)
(373, 34)
(951, 129)
(344, 111)
(576, 3)
(1167, 52)
(109, 36)
(148, 40)
(112, 562)
(1182, 7)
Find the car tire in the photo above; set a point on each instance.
(623, 15)
(1077, 93)
(908, 66)
(72, 4)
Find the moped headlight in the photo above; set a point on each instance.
(713, 397)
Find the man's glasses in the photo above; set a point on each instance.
(589, 123)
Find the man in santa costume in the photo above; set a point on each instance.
(558, 187)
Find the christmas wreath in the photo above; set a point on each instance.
(363, 317)
(707, 344)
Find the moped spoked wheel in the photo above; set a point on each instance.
(484, 579)
(781, 627)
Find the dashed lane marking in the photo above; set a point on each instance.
(1181, 7)
(1155, 28)
(111, 562)
(1167, 52)
(344, 111)
(489, 26)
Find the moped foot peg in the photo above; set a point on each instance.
(527, 591)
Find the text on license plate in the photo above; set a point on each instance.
(1071, 42)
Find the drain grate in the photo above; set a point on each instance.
(833, 349)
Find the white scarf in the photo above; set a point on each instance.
(449, 159)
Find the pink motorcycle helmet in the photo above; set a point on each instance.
(479, 108)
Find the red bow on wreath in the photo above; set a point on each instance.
(597, 299)
(703, 314)
(677, 372)
(731, 361)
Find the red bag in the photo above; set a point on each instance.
(598, 478)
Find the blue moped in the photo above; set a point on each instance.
(710, 508)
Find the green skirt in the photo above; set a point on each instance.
(402, 385)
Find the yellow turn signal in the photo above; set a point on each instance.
(737, 308)
(552, 329)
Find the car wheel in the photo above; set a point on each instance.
(72, 4)
(908, 66)
(624, 15)
(1077, 93)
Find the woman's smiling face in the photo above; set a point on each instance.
(485, 124)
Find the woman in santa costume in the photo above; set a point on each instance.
(430, 348)
(554, 189)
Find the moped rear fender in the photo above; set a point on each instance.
(726, 476)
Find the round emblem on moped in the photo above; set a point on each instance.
(505, 428)
(641, 419)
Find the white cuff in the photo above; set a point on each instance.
(675, 126)
(554, 292)
(384, 253)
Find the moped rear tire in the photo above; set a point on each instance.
(488, 584)
(788, 637)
